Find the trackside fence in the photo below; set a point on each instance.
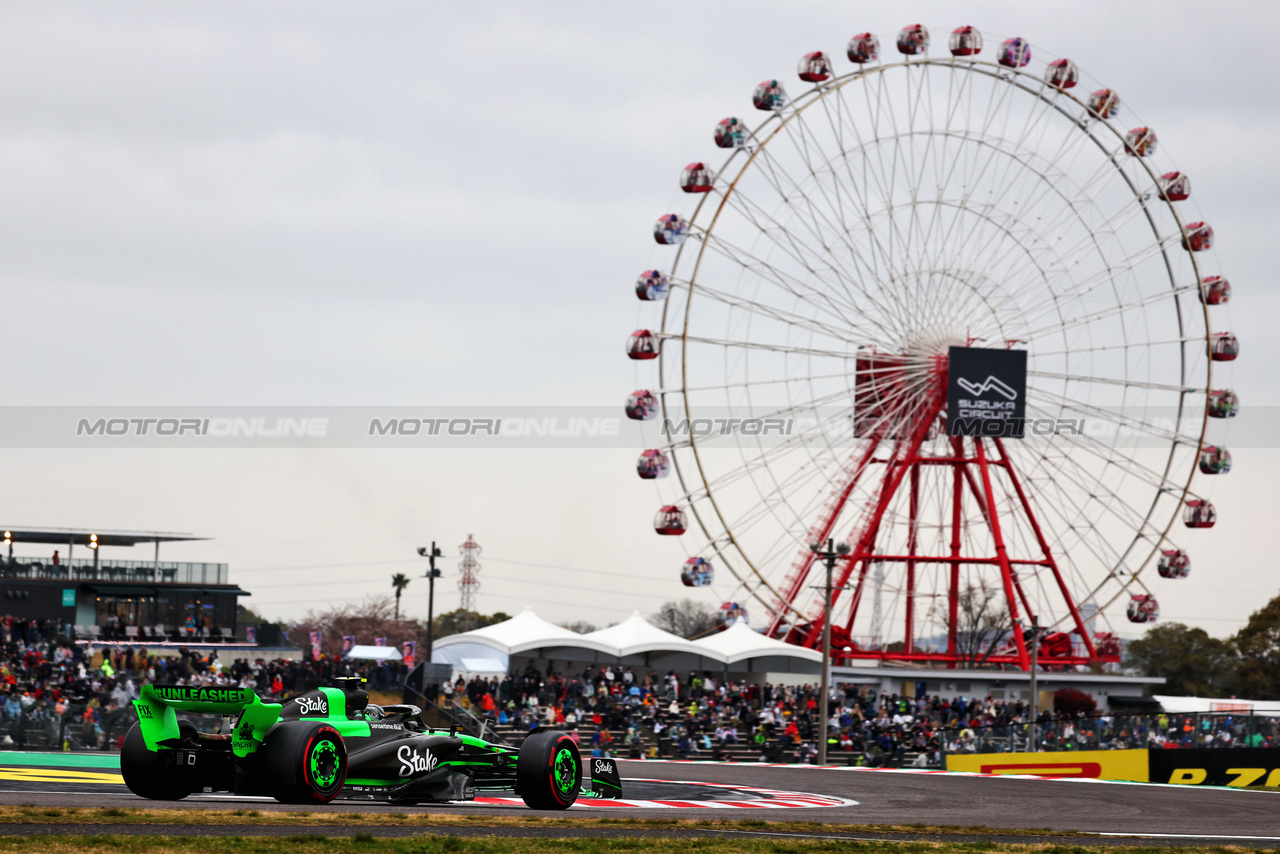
(1116, 732)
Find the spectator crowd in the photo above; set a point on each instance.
(56, 694)
(619, 712)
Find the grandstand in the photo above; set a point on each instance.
(149, 601)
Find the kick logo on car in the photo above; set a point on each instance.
(412, 762)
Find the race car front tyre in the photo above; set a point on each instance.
(150, 773)
(549, 771)
(305, 762)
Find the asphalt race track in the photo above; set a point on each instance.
(1170, 814)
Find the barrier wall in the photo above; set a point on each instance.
(1096, 764)
(1237, 767)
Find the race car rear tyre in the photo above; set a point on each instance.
(305, 762)
(549, 771)
(150, 773)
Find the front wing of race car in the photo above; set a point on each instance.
(606, 783)
(479, 768)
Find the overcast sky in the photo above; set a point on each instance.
(406, 203)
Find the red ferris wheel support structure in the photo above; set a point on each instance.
(902, 422)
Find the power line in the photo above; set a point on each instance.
(572, 568)
(507, 578)
(561, 567)
(524, 599)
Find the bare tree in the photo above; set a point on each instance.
(374, 617)
(582, 627)
(686, 618)
(984, 622)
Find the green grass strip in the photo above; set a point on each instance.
(61, 760)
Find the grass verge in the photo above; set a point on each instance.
(362, 842)
(27, 814)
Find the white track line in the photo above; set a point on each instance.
(938, 772)
(1180, 836)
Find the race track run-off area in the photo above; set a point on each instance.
(846, 796)
(98, 774)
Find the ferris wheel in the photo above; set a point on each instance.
(801, 367)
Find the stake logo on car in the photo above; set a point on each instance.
(412, 762)
(604, 766)
(313, 705)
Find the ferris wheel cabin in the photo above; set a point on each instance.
(965, 41)
(769, 96)
(1174, 563)
(1108, 646)
(1197, 237)
(1014, 52)
(697, 572)
(814, 67)
(1105, 104)
(1062, 74)
(1215, 290)
(1223, 403)
(913, 40)
(652, 286)
(670, 230)
(1140, 141)
(863, 48)
(1223, 347)
(642, 405)
(1174, 187)
(731, 133)
(1215, 460)
(1199, 513)
(1143, 608)
(642, 344)
(731, 612)
(653, 465)
(696, 178)
(670, 521)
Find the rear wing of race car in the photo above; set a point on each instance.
(158, 708)
(606, 784)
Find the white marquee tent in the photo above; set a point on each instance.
(375, 653)
(740, 643)
(527, 633)
(1207, 705)
(636, 635)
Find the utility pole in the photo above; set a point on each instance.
(431, 576)
(829, 557)
(1035, 691)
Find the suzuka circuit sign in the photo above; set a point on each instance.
(986, 392)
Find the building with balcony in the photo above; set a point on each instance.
(142, 600)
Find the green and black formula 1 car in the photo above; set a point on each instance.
(332, 743)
